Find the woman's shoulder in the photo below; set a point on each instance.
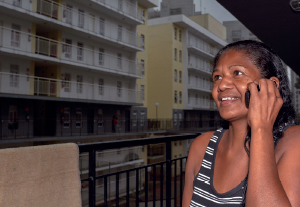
(200, 143)
(290, 142)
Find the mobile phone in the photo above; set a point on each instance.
(247, 97)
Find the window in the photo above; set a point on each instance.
(143, 41)
(78, 117)
(142, 118)
(120, 5)
(66, 82)
(17, 3)
(68, 48)
(101, 56)
(175, 11)
(69, 13)
(15, 35)
(66, 117)
(175, 54)
(120, 32)
(179, 35)
(80, 51)
(13, 114)
(175, 96)
(142, 92)
(100, 118)
(101, 88)
(175, 143)
(175, 120)
(175, 75)
(180, 55)
(119, 61)
(119, 88)
(180, 76)
(143, 15)
(14, 76)
(80, 18)
(134, 118)
(236, 33)
(102, 26)
(142, 67)
(180, 97)
(79, 83)
(175, 33)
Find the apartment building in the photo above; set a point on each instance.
(181, 52)
(69, 66)
(236, 31)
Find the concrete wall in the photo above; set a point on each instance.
(211, 24)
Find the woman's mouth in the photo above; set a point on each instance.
(228, 100)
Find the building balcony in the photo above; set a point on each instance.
(44, 49)
(62, 17)
(13, 83)
(201, 47)
(200, 66)
(120, 9)
(200, 85)
(201, 103)
(148, 3)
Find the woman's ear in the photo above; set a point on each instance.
(276, 81)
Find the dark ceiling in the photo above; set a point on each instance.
(274, 23)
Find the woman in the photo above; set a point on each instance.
(224, 168)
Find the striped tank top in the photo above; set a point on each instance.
(204, 191)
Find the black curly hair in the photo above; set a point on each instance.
(269, 64)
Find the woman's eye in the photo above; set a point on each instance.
(237, 73)
(217, 77)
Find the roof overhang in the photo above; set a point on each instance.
(274, 23)
(193, 27)
(148, 3)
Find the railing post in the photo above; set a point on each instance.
(168, 174)
(92, 187)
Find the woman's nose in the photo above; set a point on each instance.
(225, 83)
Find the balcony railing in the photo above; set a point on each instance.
(31, 127)
(200, 64)
(96, 26)
(200, 84)
(22, 41)
(21, 84)
(202, 103)
(110, 159)
(201, 45)
(162, 182)
(123, 7)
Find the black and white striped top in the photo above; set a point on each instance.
(204, 191)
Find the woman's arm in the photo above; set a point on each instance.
(269, 184)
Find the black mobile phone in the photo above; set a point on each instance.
(247, 97)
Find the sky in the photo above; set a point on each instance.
(213, 8)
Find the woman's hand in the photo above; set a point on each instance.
(264, 104)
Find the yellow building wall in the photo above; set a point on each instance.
(34, 5)
(160, 70)
(143, 55)
(177, 86)
(33, 42)
(211, 24)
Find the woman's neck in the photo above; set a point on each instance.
(235, 136)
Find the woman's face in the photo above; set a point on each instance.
(231, 75)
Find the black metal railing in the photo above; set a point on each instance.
(31, 128)
(160, 184)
